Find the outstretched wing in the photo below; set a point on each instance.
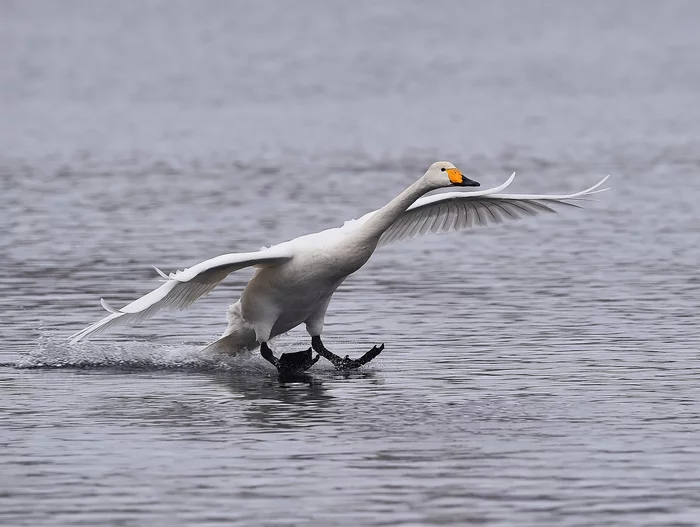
(454, 211)
(183, 288)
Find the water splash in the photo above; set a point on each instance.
(55, 352)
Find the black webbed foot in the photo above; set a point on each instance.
(297, 362)
(344, 363)
(289, 363)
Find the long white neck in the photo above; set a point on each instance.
(381, 220)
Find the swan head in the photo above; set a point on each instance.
(445, 174)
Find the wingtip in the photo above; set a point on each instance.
(600, 183)
(161, 273)
(502, 186)
(76, 337)
(107, 306)
(595, 189)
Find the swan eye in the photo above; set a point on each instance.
(442, 169)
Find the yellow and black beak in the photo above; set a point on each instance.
(457, 179)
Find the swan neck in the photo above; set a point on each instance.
(392, 211)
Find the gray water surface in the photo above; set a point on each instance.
(539, 372)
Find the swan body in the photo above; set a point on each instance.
(295, 280)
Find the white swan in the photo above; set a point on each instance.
(295, 280)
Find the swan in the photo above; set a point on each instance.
(295, 280)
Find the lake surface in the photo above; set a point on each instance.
(539, 372)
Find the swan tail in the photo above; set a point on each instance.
(234, 343)
(239, 335)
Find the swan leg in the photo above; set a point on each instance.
(346, 363)
(289, 363)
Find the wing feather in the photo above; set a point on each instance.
(417, 224)
(509, 214)
(493, 212)
(183, 288)
(439, 218)
(459, 210)
(426, 223)
(477, 211)
(405, 225)
(452, 217)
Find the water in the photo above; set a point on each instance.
(543, 372)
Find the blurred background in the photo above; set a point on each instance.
(541, 372)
